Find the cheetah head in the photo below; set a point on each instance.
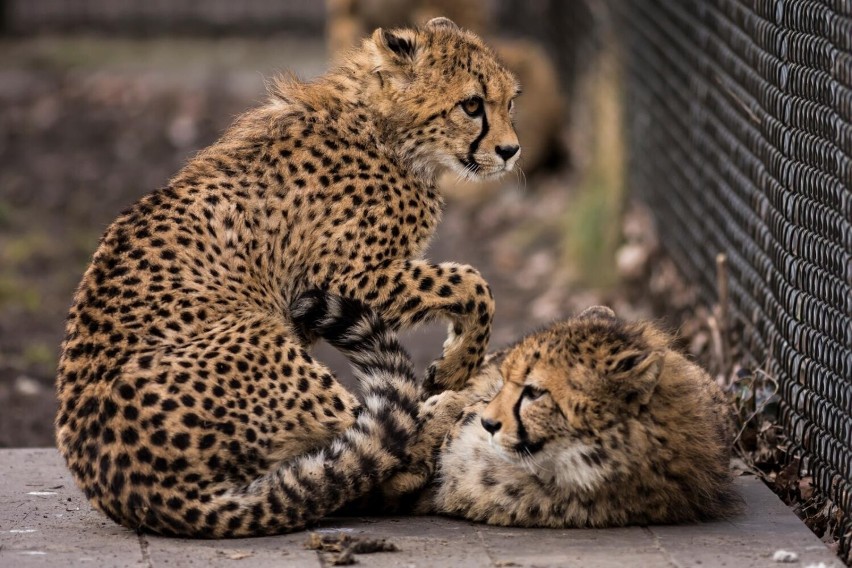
(567, 393)
(447, 98)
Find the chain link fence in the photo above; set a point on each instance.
(740, 136)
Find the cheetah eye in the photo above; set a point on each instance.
(473, 106)
(533, 393)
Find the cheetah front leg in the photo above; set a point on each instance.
(411, 489)
(406, 293)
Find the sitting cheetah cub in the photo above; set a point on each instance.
(188, 401)
(592, 422)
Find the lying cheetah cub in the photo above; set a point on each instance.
(591, 422)
(188, 403)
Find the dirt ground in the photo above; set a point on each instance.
(89, 125)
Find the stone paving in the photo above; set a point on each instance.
(45, 521)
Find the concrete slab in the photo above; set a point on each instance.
(45, 521)
(285, 551)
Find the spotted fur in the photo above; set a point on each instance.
(188, 402)
(540, 111)
(591, 422)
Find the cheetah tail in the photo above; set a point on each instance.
(304, 489)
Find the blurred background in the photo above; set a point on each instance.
(101, 101)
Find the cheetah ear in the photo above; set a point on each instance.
(396, 45)
(442, 23)
(394, 53)
(634, 377)
(601, 312)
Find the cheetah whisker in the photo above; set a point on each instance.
(530, 462)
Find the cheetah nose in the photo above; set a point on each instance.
(506, 152)
(491, 425)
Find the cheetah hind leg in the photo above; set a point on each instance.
(302, 490)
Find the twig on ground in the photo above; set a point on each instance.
(756, 409)
(719, 324)
(346, 546)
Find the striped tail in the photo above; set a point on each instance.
(304, 489)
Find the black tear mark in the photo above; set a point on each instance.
(474, 146)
